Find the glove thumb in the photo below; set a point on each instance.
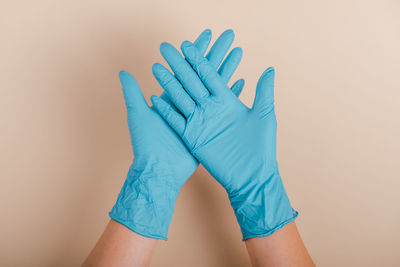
(133, 96)
(264, 100)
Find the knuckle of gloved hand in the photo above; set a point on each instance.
(179, 95)
(198, 64)
(164, 77)
(170, 117)
(180, 69)
(206, 73)
(191, 52)
(168, 82)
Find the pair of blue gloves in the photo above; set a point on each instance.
(200, 119)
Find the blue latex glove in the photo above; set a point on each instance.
(162, 162)
(237, 145)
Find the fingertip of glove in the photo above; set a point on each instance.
(164, 46)
(229, 32)
(207, 31)
(154, 99)
(156, 67)
(124, 76)
(186, 44)
(238, 50)
(122, 73)
(268, 71)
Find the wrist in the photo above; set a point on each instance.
(146, 202)
(262, 207)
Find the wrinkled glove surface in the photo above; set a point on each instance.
(237, 145)
(162, 162)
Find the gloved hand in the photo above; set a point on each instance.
(237, 145)
(162, 162)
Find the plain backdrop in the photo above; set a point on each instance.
(65, 147)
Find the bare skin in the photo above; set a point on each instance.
(119, 246)
(282, 248)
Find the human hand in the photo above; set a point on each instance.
(237, 145)
(162, 162)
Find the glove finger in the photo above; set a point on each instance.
(164, 96)
(230, 64)
(133, 96)
(174, 89)
(184, 73)
(203, 41)
(264, 99)
(220, 48)
(173, 118)
(237, 87)
(205, 71)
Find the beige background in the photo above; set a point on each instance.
(65, 146)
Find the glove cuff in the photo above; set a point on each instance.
(263, 207)
(146, 203)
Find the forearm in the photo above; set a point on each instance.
(119, 246)
(283, 248)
